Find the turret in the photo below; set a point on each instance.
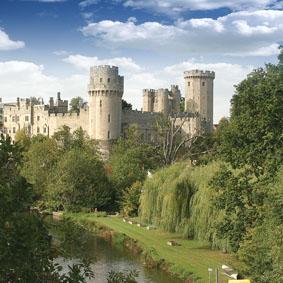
(199, 95)
(176, 98)
(105, 91)
(161, 103)
(148, 100)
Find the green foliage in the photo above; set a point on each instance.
(76, 104)
(25, 244)
(122, 277)
(239, 196)
(80, 181)
(250, 198)
(130, 160)
(23, 139)
(131, 199)
(67, 172)
(262, 248)
(253, 136)
(126, 105)
(178, 198)
(182, 104)
(203, 150)
(39, 163)
(15, 192)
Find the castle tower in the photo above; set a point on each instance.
(148, 100)
(176, 98)
(199, 95)
(161, 102)
(105, 91)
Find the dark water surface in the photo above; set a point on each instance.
(75, 244)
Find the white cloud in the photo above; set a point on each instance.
(85, 62)
(87, 16)
(8, 44)
(31, 80)
(60, 52)
(86, 3)
(245, 32)
(179, 6)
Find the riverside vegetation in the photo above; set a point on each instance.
(225, 189)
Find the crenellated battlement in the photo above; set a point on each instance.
(104, 78)
(148, 91)
(199, 73)
(162, 91)
(104, 68)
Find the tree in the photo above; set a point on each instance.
(80, 182)
(39, 163)
(126, 105)
(253, 136)
(240, 198)
(23, 139)
(131, 199)
(15, 192)
(171, 137)
(25, 244)
(130, 160)
(76, 104)
(262, 248)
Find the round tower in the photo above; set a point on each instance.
(148, 100)
(161, 102)
(199, 95)
(105, 90)
(176, 94)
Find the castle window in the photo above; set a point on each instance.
(109, 119)
(100, 103)
(108, 135)
(5, 119)
(101, 80)
(189, 83)
(108, 80)
(203, 83)
(38, 118)
(13, 119)
(26, 118)
(38, 130)
(14, 130)
(44, 130)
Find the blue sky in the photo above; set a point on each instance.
(49, 45)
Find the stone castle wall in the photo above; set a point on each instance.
(73, 120)
(104, 120)
(144, 120)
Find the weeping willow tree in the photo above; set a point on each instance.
(178, 199)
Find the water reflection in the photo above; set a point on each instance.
(74, 244)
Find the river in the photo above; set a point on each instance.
(74, 244)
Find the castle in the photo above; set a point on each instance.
(103, 117)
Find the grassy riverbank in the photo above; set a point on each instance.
(190, 257)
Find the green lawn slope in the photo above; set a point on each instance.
(190, 257)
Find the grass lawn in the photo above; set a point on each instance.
(189, 257)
